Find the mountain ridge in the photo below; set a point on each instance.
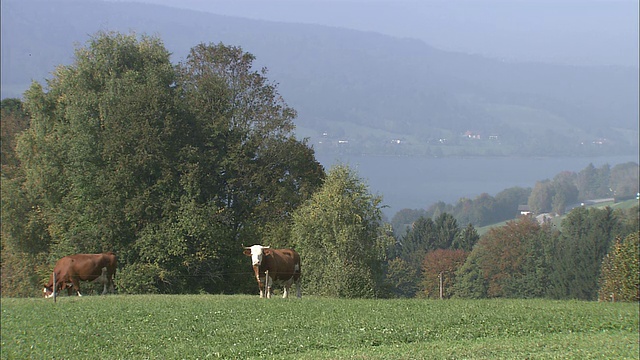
(364, 89)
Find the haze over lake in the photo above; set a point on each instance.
(418, 182)
(351, 68)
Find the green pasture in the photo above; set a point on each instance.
(244, 327)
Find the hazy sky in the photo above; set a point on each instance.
(582, 32)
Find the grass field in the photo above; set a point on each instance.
(243, 327)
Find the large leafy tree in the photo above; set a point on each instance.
(593, 183)
(508, 261)
(14, 121)
(508, 200)
(565, 191)
(624, 180)
(99, 150)
(171, 167)
(340, 238)
(439, 268)
(23, 235)
(540, 199)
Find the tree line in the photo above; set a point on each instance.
(555, 196)
(175, 167)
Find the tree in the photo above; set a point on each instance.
(565, 191)
(447, 230)
(508, 261)
(620, 270)
(23, 236)
(593, 183)
(14, 121)
(171, 167)
(401, 278)
(251, 165)
(587, 234)
(466, 239)
(403, 219)
(417, 241)
(440, 266)
(507, 202)
(340, 239)
(540, 200)
(624, 181)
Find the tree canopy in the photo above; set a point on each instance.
(339, 235)
(170, 166)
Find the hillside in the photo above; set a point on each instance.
(361, 92)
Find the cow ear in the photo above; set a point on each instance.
(266, 251)
(247, 252)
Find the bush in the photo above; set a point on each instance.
(139, 279)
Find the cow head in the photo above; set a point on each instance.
(257, 252)
(48, 291)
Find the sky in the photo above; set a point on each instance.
(574, 32)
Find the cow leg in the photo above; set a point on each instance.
(287, 288)
(112, 287)
(268, 282)
(104, 280)
(261, 287)
(76, 285)
(66, 285)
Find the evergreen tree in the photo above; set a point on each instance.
(587, 234)
(466, 239)
(620, 271)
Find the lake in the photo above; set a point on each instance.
(418, 182)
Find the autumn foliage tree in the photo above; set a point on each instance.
(620, 271)
(440, 266)
(508, 261)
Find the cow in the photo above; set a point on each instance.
(281, 265)
(70, 270)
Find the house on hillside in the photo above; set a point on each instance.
(472, 135)
(524, 210)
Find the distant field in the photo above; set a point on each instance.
(242, 327)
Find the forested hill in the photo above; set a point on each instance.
(361, 92)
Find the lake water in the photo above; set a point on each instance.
(418, 182)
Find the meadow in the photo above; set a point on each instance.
(245, 327)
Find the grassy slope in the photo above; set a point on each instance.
(210, 326)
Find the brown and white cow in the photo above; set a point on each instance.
(70, 270)
(282, 265)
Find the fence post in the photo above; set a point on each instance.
(55, 285)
